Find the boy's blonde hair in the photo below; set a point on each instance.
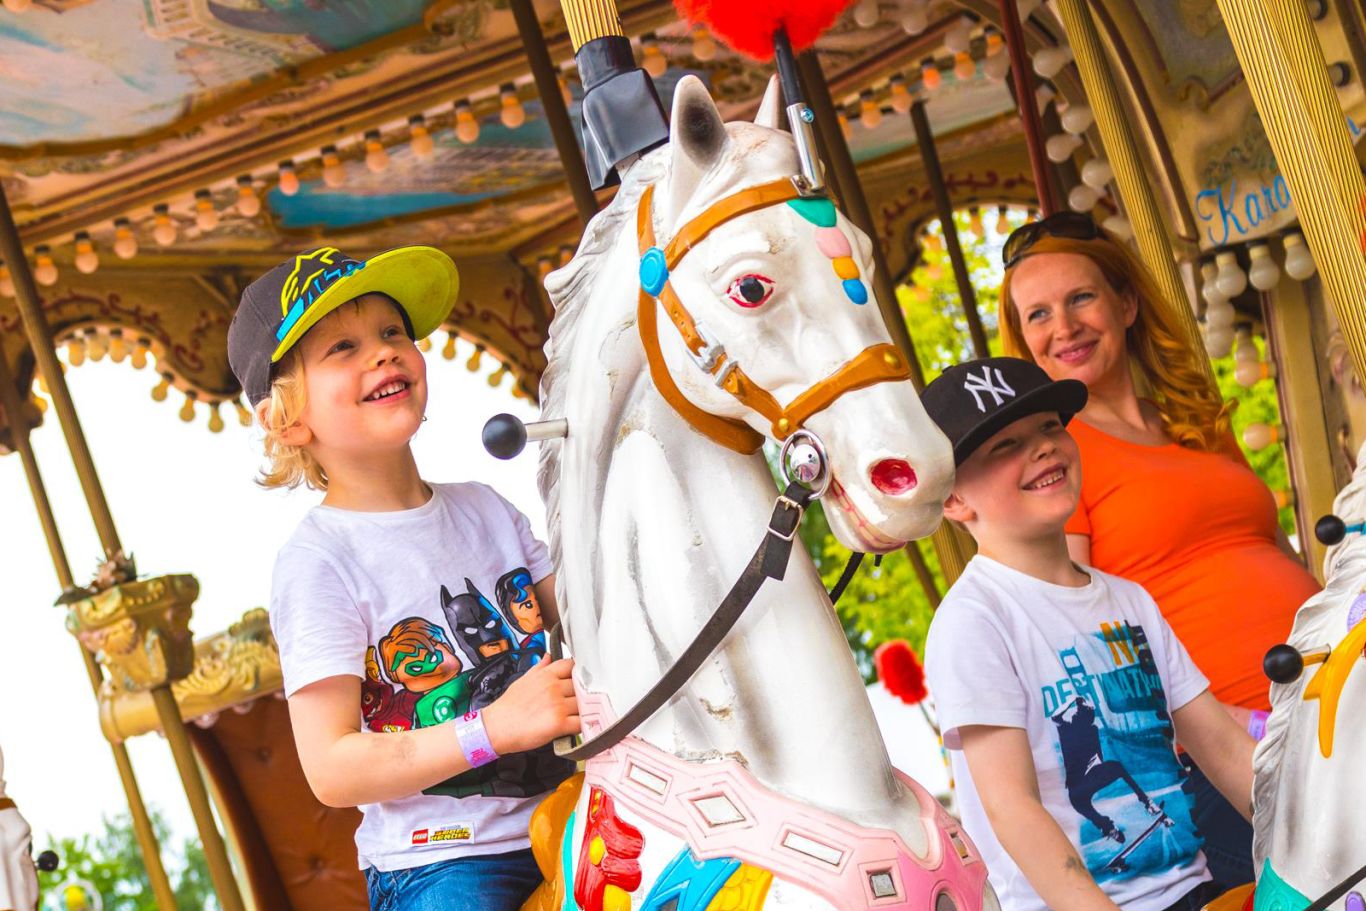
(288, 466)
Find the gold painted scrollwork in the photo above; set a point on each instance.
(139, 631)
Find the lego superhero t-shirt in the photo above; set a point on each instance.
(433, 609)
(1092, 675)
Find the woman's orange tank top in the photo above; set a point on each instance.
(1198, 531)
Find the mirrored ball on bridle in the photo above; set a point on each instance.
(805, 463)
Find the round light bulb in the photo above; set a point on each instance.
(125, 242)
(215, 419)
(448, 350)
(1209, 285)
(187, 409)
(1059, 148)
(496, 377)
(289, 180)
(1245, 345)
(995, 42)
(1218, 341)
(466, 127)
(1232, 280)
(44, 269)
(958, 37)
(162, 387)
(163, 229)
(930, 76)
(420, 138)
(1096, 173)
(869, 112)
(916, 20)
(1262, 272)
(1002, 221)
(87, 260)
(376, 158)
(975, 222)
(248, 203)
(964, 67)
(75, 352)
(1259, 436)
(1250, 373)
(1299, 262)
(513, 115)
(95, 345)
(6, 282)
(473, 363)
(243, 413)
(866, 13)
(1044, 95)
(1082, 198)
(1221, 315)
(139, 358)
(1119, 226)
(703, 44)
(205, 215)
(997, 67)
(1050, 61)
(901, 99)
(1077, 118)
(118, 347)
(334, 172)
(652, 59)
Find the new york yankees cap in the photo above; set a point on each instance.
(974, 400)
(280, 306)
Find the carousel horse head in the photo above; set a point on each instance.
(775, 333)
(1309, 834)
(18, 877)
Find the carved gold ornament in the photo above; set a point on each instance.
(139, 631)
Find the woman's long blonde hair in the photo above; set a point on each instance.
(287, 466)
(1194, 414)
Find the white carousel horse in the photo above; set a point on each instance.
(1309, 827)
(765, 778)
(18, 876)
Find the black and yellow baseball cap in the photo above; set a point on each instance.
(280, 306)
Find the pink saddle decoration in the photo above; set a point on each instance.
(721, 810)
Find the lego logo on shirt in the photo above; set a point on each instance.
(445, 834)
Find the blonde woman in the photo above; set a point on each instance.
(1167, 498)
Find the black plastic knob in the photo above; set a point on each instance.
(1330, 530)
(504, 436)
(1283, 664)
(48, 861)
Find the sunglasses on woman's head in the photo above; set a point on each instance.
(1072, 225)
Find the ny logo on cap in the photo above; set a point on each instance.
(1000, 390)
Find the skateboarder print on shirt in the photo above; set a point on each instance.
(1086, 770)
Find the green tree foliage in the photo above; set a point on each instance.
(888, 602)
(112, 862)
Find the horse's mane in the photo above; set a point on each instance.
(570, 288)
(1345, 565)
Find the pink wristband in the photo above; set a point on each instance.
(474, 740)
(1256, 724)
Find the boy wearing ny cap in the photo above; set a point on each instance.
(406, 700)
(1060, 689)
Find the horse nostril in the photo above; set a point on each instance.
(894, 476)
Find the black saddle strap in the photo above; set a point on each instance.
(1337, 891)
(769, 562)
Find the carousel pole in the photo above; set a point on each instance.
(142, 823)
(1285, 70)
(929, 156)
(1023, 79)
(40, 340)
(556, 113)
(1121, 150)
(856, 205)
(948, 546)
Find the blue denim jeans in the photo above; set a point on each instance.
(1228, 836)
(1197, 898)
(490, 882)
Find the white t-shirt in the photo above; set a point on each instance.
(1091, 674)
(433, 609)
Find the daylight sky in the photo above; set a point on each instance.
(184, 500)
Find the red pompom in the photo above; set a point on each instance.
(748, 25)
(899, 669)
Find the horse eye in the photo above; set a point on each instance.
(750, 291)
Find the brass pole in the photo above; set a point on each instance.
(929, 156)
(922, 572)
(1023, 79)
(1286, 72)
(856, 205)
(40, 340)
(556, 114)
(1122, 152)
(142, 823)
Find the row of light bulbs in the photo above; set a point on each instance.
(475, 361)
(1224, 279)
(915, 15)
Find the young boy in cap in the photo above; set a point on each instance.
(1060, 689)
(414, 704)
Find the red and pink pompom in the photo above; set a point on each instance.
(748, 26)
(899, 669)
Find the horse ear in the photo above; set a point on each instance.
(697, 139)
(770, 109)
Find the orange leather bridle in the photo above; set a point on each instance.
(876, 364)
